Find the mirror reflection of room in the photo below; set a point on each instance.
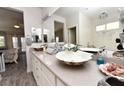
(92, 27)
(95, 27)
(37, 35)
(59, 30)
(72, 35)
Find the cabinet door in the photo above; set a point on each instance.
(36, 69)
(41, 79)
(48, 74)
(46, 81)
(37, 62)
(42, 75)
(38, 75)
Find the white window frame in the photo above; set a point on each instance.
(23, 44)
(106, 26)
(100, 28)
(114, 24)
(15, 42)
(4, 42)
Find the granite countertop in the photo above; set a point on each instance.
(87, 74)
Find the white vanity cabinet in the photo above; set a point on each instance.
(48, 71)
(36, 69)
(42, 75)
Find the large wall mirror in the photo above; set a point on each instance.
(70, 15)
(63, 24)
(92, 26)
(87, 26)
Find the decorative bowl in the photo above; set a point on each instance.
(73, 58)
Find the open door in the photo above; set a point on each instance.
(72, 35)
(59, 30)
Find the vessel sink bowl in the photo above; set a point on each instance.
(73, 58)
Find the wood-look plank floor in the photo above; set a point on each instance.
(16, 75)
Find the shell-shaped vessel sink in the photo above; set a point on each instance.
(73, 58)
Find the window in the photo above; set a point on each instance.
(108, 26)
(113, 25)
(15, 42)
(23, 44)
(2, 41)
(100, 28)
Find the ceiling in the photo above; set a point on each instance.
(92, 12)
(67, 11)
(9, 18)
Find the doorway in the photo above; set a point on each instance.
(59, 30)
(12, 32)
(72, 35)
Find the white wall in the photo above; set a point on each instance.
(85, 29)
(32, 18)
(72, 21)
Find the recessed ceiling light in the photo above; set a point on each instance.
(16, 26)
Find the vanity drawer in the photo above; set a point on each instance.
(42, 79)
(38, 76)
(36, 69)
(37, 62)
(47, 73)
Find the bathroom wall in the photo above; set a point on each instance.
(72, 21)
(85, 29)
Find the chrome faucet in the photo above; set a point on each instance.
(76, 48)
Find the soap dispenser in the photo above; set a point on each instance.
(100, 59)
